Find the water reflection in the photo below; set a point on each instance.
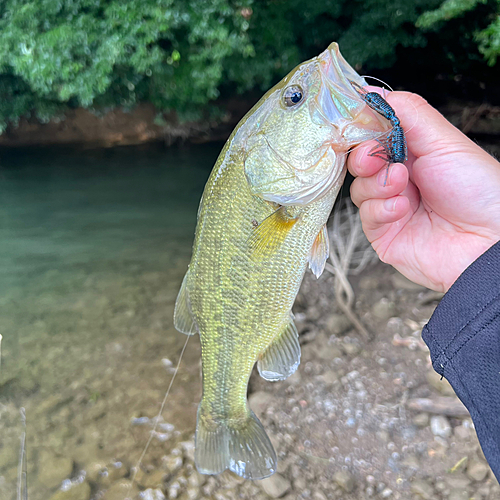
(93, 247)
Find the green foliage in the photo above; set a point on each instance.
(487, 38)
(181, 54)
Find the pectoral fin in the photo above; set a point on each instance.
(282, 358)
(183, 317)
(270, 234)
(319, 253)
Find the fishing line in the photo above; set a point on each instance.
(157, 420)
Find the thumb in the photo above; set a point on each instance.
(426, 129)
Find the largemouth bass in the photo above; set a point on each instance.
(261, 221)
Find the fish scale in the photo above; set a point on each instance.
(262, 220)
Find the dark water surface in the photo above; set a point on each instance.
(93, 247)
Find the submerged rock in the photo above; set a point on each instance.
(275, 486)
(80, 491)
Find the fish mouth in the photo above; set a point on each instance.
(339, 105)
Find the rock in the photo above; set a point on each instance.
(386, 493)
(151, 494)
(423, 489)
(121, 490)
(80, 491)
(439, 383)
(477, 470)
(172, 463)
(327, 352)
(384, 309)
(440, 426)
(319, 495)
(336, 324)
(421, 420)
(154, 479)
(462, 432)
(259, 401)
(458, 495)
(188, 449)
(457, 481)
(53, 469)
(329, 377)
(197, 480)
(96, 471)
(275, 486)
(116, 470)
(350, 348)
(345, 480)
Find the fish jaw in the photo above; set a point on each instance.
(339, 106)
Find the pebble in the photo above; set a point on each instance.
(423, 489)
(345, 480)
(151, 494)
(440, 426)
(275, 486)
(457, 481)
(477, 470)
(458, 495)
(421, 420)
(384, 309)
(172, 463)
(386, 493)
(336, 324)
(121, 490)
(79, 491)
(319, 495)
(53, 469)
(188, 449)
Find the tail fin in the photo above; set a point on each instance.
(246, 450)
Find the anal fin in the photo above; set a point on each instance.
(282, 358)
(183, 317)
(319, 252)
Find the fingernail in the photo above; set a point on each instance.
(383, 177)
(390, 204)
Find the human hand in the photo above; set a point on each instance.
(441, 211)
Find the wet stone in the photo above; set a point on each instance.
(52, 469)
(121, 490)
(152, 494)
(345, 480)
(423, 489)
(440, 426)
(477, 470)
(79, 491)
(275, 486)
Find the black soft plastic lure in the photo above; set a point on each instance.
(392, 145)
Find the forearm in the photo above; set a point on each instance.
(463, 335)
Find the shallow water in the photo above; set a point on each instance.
(93, 247)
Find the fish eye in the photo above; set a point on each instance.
(293, 95)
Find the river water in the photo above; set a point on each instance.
(93, 248)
